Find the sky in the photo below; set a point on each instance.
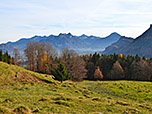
(27, 18)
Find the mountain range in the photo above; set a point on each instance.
(114, 43)
(142, 45)
(81, 44)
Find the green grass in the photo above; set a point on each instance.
(87, 97)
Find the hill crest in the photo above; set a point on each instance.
(15, 74)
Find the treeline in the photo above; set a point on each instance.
(44, 59)
(119, 67)
(69, 65)
(15, 60)
(5, 57)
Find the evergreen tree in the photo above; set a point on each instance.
(95, 57)
(143, 58)
(60, 73)
(1, 54)
(6, 58)
(137, 58)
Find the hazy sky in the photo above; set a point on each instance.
(26, 18)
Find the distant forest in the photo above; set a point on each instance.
(42, 58)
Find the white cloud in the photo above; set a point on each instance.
(97, 17)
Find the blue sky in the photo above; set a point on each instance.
(26, 18)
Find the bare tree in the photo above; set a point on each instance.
(66, 54)
(50, 51)
(40, 56)
(74, 63)
(30, 54)
(16, 54)
(34, 52)
(141, 70)
(51, 55)
(39, 51)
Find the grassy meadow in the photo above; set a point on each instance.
(26, 92)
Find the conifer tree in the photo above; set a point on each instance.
(60, 73)
(6, 57)
(1, 54)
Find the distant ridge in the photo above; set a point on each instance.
(142, 45)
(81, 44)
(119, 46)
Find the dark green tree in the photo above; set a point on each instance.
(60, 73)
(6, 57)
(143, 58)
(137, 58)
(1, 54)
(95, 57)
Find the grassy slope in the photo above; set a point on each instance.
(15, 74)
(87, 97)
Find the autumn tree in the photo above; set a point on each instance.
(66, 55)
(12, 61)
(74, 63)
(98, 74)
(49, 58)
(34, 52)
(77, 68)
(39, 52)
(117, 72)
(40, 56)
(106, 63)
(141, 70)
(31, 54)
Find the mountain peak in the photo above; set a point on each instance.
(83, 35)
(115, 33)
(69, 34)
(65, 34)
(147, 34)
